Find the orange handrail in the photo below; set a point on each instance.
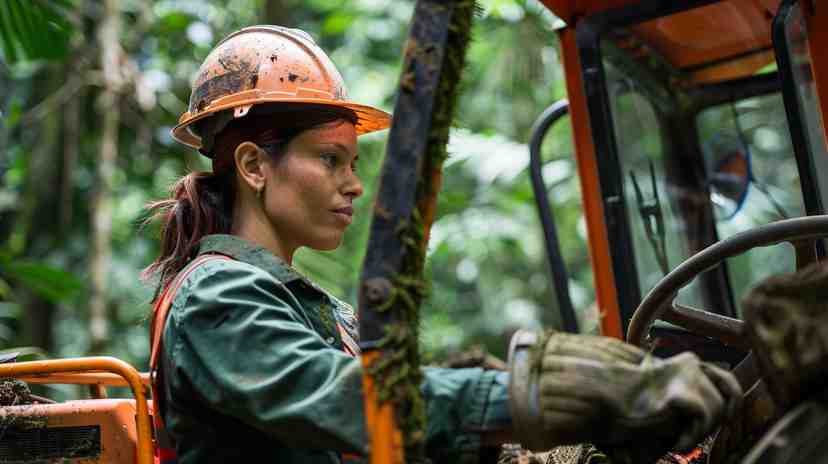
(85, 378)
(92, 367)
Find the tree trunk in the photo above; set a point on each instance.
(108, 34)
(278, 12)
(38, 207)
(72, 116)
(5, 156)
(71, 143)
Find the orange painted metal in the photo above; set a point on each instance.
(86, 378)
(710, 33)
(730, 39)
(746, 66)
(816, 19)
(116, 418)
(571, 10)
(606, 293)
(386, 439)
(769, 5)
(96, 364)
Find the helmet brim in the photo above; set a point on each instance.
(369, 119)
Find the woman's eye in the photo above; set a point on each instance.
(330, 159)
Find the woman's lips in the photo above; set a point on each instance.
(346, 214)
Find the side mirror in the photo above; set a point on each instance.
(729, 174)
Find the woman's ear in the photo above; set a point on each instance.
(250, 165)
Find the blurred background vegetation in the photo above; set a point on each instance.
(89, 90)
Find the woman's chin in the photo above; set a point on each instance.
(327, 244)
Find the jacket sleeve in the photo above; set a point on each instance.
(246, 347)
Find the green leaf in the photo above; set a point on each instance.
(32, 30)
(337, 23)
(53, 284)
(9, 310)
(6, 333)
(5, 293)
(175, 21)
(9, 44)
(13, 113)
(26, 351)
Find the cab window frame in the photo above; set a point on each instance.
(590, 33)
(799, 133)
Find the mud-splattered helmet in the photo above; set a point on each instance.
(264, 65)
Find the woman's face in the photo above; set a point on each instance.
(310, 189)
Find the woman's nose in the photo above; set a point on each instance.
(353, 186)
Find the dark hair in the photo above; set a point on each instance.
(201, 203)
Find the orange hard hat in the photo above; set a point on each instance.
(264, 65)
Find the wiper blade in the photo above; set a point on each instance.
(653, 219)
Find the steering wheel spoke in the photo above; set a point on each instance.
(728, 330)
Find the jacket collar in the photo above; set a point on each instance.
(244, 251)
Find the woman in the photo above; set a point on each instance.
(253, 358)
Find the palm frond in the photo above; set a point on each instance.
(31, 30)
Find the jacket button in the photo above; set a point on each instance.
(329, 340)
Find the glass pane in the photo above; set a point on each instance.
(642, 146)
(797, 44)
(756, 131)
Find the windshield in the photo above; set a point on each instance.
(753, 135)
(740, 173)
(693, 149)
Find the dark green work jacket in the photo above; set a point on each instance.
(253, 371)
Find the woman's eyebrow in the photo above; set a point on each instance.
(342, 147)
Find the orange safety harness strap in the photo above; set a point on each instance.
(164, 448)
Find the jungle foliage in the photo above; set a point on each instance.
(90, 89)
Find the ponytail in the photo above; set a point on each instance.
(201, 204)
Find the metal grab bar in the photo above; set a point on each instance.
(550, 233)
(42, 369)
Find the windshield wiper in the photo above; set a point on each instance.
(653, 219)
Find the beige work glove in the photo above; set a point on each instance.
(568, 389)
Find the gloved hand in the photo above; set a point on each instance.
(570, 389)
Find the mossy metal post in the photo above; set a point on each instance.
(392, 284)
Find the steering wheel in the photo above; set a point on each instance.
(659, 302)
